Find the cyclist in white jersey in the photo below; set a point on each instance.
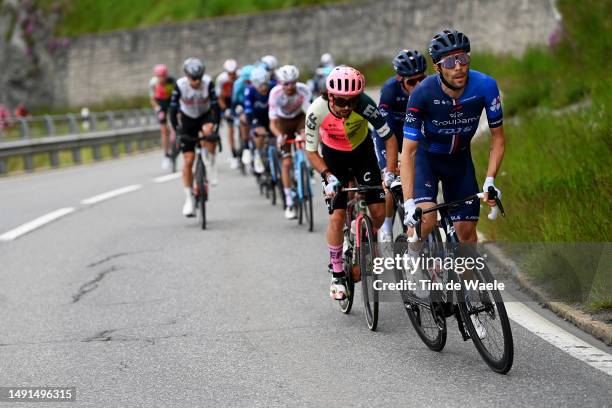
(194, 98)
(223, 88)
(288, 103)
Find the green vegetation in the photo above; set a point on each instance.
(556, 174)
(94, 16)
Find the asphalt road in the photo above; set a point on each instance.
(135, 305)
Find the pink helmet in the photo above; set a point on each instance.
(345, 81)
(160, 70)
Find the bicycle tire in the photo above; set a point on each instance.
(347, 304)
(493, 310)
(367, 253)
(203, 190)
(307, 195)
(434, 332)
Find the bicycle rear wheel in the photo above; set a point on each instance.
(307, 195)
(202, 189)
(367, 253)
(493, 338)
(347, 303)
(428, 322)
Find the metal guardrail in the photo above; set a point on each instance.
(39, 135)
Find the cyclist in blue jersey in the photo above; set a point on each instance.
(409, 66)
(256, 111)
(441, 119)
(238, 91)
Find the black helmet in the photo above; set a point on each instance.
(446, 42)
(409, 63)
(193, 67)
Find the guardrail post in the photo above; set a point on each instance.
(3, 168)
(93, 121)
(115, 149)
(96, 152)
(111, 119)
(28, 162)
(76, 155)
(72, 123)
(54, 158)
(141, 141)
(24, 129)
(49, 125)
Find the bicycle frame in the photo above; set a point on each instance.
(299, 157)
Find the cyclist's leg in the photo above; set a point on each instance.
(365, 169)
(188, 140)
(459, 181)
(207, 129)
(425, 189)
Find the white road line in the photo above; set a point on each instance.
(558, 337)
(167, 177)
(110, 194)
(37, 223)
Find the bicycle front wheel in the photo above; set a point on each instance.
(367, 253)
(428, 320)
(203, 190)
(484, 315)
(307, 195)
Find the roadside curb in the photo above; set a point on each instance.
(583, 321)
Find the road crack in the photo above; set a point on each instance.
(92, 284)
(108, 258)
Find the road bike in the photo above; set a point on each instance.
(302, 182)
(359, 251)
(480, 314)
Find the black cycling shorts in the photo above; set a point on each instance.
(359, 164)
(162, 115)
(191, 128)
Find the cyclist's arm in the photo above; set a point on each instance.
(249, 110)
(214, 103)
(367, 107)
(272, 112)
(412, 136)
(495, 118)
(407, 160)
(174, 107)
(152, 84)
(313, 122)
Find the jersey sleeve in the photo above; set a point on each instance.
(493, 105)
(367, 108)
(273, 103)
(414, 116)
(313, 123)
(219, 81)
(386, 97)
(174, 106)
(152, 84)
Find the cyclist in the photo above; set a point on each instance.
(195, 99)
(238, 91)
(338, 120)
(160, 91)
(288, 103)
(409, 66)
(270, 63)
(442, 116)
(317, 83)
(223, 88)
(256, 111)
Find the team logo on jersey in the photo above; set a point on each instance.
(367, 176)
(410, 117)
(311, 123)
(495, 104)
(371, 111)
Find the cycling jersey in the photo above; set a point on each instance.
(392, 105)
(239, 87)
(256, 107)
(159, 91)
(223, 85)
(193, 103)
(442, 124)
(339, 133)
(288, 106)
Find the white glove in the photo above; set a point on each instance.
(409, 210)
(489, 181)
(227, 113)
(332, 186)
(388, 178)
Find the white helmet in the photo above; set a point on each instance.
(270, 61)
(287, 73)
(327, 59)
(230, 65)
(259, 76)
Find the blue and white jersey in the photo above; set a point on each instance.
(238, 91)
(256, 107)
(445, 125)
(392, 105)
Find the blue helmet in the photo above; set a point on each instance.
(446, 42)
(245, 72)
(409, 62)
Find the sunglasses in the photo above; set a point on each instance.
(343, 103)
(452, 60)
(195, 79)
(414, 81)
(289, 84)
